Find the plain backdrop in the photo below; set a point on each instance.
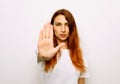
(98, 24)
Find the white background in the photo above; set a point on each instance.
(98, 25)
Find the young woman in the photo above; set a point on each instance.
(59, 52)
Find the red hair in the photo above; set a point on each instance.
(73, 43)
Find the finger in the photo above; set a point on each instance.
(51, 32)
(58, 47)
(43, 32)
(47, 28)
(41, 35)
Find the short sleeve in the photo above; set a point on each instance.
(86, 73)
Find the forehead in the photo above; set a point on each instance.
(60, 18)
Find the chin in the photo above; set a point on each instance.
(63, 39)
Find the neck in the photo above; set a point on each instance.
(65, 46)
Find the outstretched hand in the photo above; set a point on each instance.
(46, 49)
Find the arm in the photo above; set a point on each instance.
(81, 81)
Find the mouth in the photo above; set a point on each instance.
(62, 35)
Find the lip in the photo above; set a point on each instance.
(62, 35)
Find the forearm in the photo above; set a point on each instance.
(81, 81)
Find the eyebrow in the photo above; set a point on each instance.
(57, 22)
(60, 22)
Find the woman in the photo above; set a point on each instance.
(59, 52)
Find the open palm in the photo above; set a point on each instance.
(46, 47)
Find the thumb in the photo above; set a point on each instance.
(59, 46)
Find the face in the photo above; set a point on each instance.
(61, 28)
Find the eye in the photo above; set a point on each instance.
(66, 24)
(57, 24)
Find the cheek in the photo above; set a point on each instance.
(55, 31)
(68, 31)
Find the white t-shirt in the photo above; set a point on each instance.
(63, 73)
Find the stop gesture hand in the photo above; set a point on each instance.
(46, 49)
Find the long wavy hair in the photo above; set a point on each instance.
(73, 43)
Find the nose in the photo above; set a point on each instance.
(63, 29)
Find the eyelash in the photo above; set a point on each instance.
(60, 24)
(66, 24)
(57, 24)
